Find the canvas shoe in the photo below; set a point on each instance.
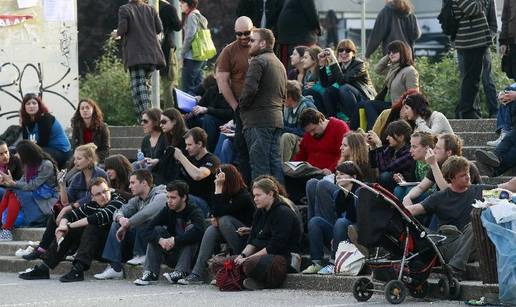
(174, 277)
(192, 279)
(38, 272)
(312, 269)
(109, 273)
(498, 140)
(146, 279)
(487, 157)
(22, 252)
(327, 270)
(137, 260)
(73, 275)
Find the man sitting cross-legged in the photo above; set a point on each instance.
(453, 207)
(86, 226)
(173, 235)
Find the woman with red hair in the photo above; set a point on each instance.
(41, 127)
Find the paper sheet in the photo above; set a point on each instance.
(23, 4)
(185, 101)
(59, 10)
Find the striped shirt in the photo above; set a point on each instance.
(473, 29)
(96, 215)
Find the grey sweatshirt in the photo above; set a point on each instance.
(140, 210)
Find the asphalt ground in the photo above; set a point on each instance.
(17, 292)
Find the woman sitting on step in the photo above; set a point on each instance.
(34, 194)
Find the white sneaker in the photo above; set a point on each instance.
(137, 260)
(109, 273)
(498, 140)
(22, 252)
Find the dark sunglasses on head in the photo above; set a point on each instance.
(344, 49)
(245, 33)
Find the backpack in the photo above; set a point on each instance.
(449, 23)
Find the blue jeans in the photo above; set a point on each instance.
(321, 232)
(264, 152)
(210, 124)
(487, 81)
(200, 203)
(225, 150)
(29, 206)
(113, 248)
(387, 181)
(506, 152)
(320, 198)
(191, 75)
(504, 118)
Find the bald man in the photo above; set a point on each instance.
(232, 67)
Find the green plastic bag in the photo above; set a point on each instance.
(202, 46)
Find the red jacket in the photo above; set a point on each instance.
(324, 152)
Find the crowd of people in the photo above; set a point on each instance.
(229, 171)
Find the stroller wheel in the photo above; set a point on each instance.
(419, 291)
(450, 290)
(363, 289)
(395, 292)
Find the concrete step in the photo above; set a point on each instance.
(126, 142)
(469, 151)
(28, 234)
(8, 248)
(469, 125)
(125, 131)
(477, 138)
(496, 180)
(470, 289)
(129, 153)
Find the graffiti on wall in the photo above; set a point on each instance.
(37, 56)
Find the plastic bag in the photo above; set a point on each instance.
(503, 237)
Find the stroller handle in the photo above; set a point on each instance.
(360, 183)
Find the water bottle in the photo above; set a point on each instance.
(141, 158)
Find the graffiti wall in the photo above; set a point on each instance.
(38, 54)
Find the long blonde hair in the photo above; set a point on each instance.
(358, 146)
(89, 152)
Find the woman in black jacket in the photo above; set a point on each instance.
(274, 235)
(345, 78)
(233, 209)
(88, 126)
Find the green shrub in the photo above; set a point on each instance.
(440, 83)
(109, 86)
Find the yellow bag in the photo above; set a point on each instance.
(202, 46)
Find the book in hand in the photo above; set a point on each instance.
(408, 184)
(297, 169)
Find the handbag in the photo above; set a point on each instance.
(202, 45)
(230, 277)
(348, 259)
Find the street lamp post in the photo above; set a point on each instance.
(363, 30)
(155, 74)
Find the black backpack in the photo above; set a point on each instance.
(446, 18)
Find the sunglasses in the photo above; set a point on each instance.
(392, 52)
(340, 50)
(245, 33)
(145, 121)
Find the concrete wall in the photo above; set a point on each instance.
(38, 54)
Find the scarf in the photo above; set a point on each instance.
(393, 71)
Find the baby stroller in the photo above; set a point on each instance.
(405, 252)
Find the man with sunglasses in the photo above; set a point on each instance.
(87, 227)
(232, 65)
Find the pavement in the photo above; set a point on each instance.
(17, 292)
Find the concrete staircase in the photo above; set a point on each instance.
(127, 140)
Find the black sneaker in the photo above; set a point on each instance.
(252, 284)
(488, 158)
(35, 254)
(174, 277)
(146, 279)
(73, 275)
(192, 279)
(38, 272)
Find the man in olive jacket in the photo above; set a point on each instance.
(261, 104)
(138, 25)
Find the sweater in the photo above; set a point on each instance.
(47, 132)
(194, 21)
(291, 115)
(239, 206)
(101, 139)
(437, 123)
(387, 159)
(323, 152)
(391, 25)
(474, 30)
(140, 210)
(176, 224)
(277, 230)
(95, 214)
(406, 78)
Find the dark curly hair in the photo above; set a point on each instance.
(97, 117)
(42, 109)
(419, 105)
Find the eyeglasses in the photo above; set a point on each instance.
(245, 33)
(344, 49)
(163, 121)
(145, 121)
(101, 192)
